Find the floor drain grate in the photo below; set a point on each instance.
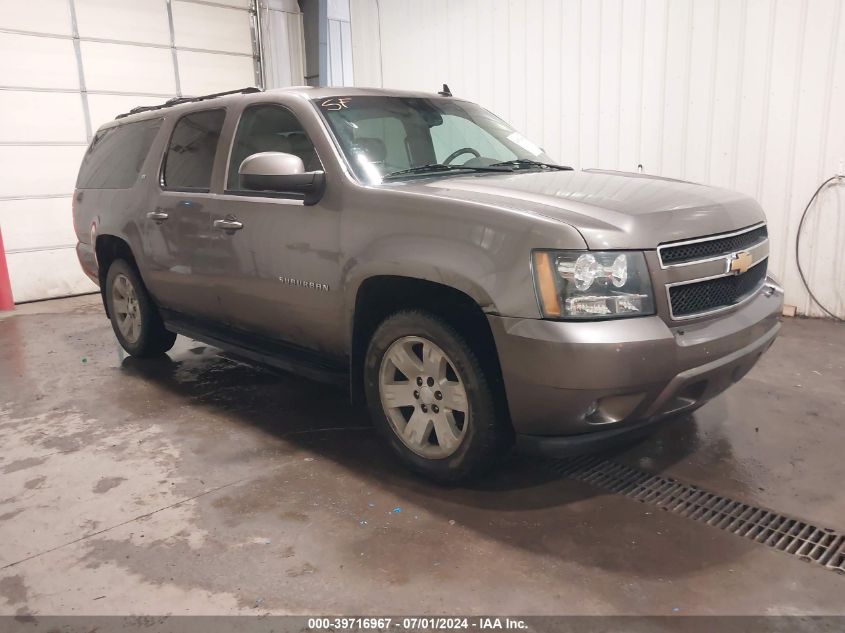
(808, 542)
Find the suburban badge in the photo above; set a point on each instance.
(312, 285)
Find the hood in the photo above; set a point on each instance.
(613, 210)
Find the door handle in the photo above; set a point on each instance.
(229, 225)
(158, 216)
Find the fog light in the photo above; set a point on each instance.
(612, 408)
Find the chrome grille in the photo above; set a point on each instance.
(683, 252)
(711, 294)
(713, 273)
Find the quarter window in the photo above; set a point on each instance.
(116, 155)
(269, 128)
(190, 155)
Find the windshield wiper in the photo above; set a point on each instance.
(435, 167)
(519, 162)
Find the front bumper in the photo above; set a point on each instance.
(571, 386)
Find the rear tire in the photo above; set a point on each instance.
(134, 317)
(429, 396)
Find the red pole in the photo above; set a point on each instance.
(6, 300)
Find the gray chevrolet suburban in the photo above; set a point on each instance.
(475, 294)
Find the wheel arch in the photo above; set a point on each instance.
(108, 248)
(379, 296)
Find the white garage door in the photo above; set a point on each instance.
(68, 67)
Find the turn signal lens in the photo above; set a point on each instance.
(546, 287)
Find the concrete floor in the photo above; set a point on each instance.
(195, 484)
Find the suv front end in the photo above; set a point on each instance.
(620, 349)
(613, 299)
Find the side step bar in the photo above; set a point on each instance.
(262, 350)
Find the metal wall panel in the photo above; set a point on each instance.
(45, 16)
(40, 62)
(39, 170)
(339, 68)
(127, 68)
(208, 27)
(47, 272)
(283, 42)
(205, 73)
(37, 224)
(743, 94)
(102, 108)
(28, 116)
(77, 64)
(240, 4)
(340, 72)
(125, 20)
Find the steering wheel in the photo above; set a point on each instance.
(458, 152)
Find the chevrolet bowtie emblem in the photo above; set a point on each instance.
(739, 262)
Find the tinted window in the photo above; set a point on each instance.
(190, 155)
(270, 128)
(116, 155)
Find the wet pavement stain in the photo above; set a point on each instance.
(13, 589)
(23, 464)
(35, 483)
(107, 483)
(65, 443)
(290, 515)
(302, 570)
(237, 476)
(10, 515)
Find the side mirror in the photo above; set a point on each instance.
(281, 172)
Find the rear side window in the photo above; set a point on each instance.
(190, 155)
(116, 155)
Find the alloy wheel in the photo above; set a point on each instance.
(127, 311)
(424, 397)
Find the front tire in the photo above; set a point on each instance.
(430, 397)
(134, 317)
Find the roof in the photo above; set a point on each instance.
(347, 91)
(307, 92)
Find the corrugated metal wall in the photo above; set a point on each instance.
(282, 43)
(339, 70)
(744, 94)
(68, 67)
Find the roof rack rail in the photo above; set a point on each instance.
(179, 100)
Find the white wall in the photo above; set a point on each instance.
(68, 66)
(339, 69)
(283, 45)
(744, 94)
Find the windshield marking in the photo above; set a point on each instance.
(336, 104)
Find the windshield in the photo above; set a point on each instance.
(382, 136)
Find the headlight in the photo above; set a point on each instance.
(592, 284)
